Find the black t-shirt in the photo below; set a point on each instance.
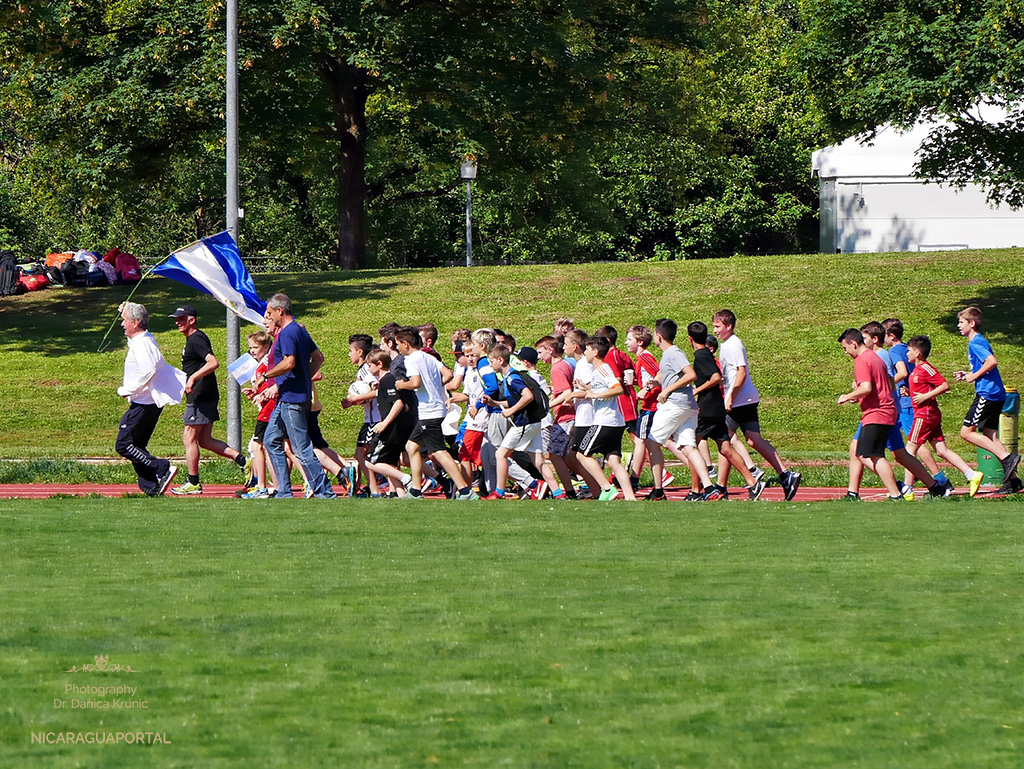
(387, 393)
(193, 358)
(710, 402)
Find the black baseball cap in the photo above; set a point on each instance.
(185, 309)
(527, 355)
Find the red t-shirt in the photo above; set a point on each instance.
(877, 407)
(620, 363)
(924, 378)
(268, 407)
(646, 369)
(561, 380)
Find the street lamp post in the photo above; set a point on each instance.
(467, 172)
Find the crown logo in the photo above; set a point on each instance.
(101, 664)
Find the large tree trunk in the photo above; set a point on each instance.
(347, 88)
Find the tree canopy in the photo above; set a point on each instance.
(903, 61)
(604, 130)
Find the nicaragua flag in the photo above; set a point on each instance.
(214, 266)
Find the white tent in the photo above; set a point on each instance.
(871, 201)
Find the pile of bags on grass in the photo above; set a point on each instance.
(80, 270)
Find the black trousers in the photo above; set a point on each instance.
(136, 429)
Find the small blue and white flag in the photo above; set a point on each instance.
(214, 266)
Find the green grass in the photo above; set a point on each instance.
(58, 392)
(526, 635)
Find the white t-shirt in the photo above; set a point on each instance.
(731, 355)
(473, 389)
(606, 410)
(431, 394)
(584, 406)
(371, 413)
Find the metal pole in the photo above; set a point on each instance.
(469, 222)
(234, 437)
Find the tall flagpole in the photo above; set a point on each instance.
(234, 437)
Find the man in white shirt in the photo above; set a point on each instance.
(741, 402)
(149, 384)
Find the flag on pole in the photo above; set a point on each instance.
(214, 266)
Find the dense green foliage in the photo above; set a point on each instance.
(623, 131)
(871, 63)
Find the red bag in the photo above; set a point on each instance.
(32, 282)
(127, 267)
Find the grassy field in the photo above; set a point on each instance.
(397, 635)
(59, 393)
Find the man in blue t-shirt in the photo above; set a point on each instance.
(297, 360)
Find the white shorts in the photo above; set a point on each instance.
(675, 423)
(527, 438)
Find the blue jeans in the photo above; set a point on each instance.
(289, 421)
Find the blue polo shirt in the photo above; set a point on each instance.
(295, 386)
(989, 386)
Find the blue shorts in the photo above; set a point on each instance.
(906, 421)
(895, 440)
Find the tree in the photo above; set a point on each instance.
(120, 95)
(903, 61)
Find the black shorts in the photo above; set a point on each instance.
(429, 436)
(631, 426)
(382, 453)
(643, 424)
(364, 434)
(579, 434)
(261, 431)
(201, 413)
(604, 440)
(712, 429)
(872, 440)
(744, 418)
(984, 414)
(313, 430)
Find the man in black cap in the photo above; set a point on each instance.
(201, 401)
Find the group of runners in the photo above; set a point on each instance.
(491, 426)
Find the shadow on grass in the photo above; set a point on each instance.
(67, 321)
(1000, 307)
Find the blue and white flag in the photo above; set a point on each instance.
(214, 266)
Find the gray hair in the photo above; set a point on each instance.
(281, 302)
(137, 312)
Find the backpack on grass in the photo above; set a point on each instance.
(9, 273)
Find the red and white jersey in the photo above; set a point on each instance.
(647, 369)
(925, 378)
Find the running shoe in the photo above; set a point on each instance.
(1010, 464)
(851, 496)
(790, 483)
(898, 498)
(429, 484)
(907, 492)
(757, 472)
(247, 468)
(468, 496)
(755, 490)
(939, 490)
(538, 490)
(307, 490)
(163, 483)
(656, 495)
(713, 472)
(493, 496)
(257, 493)
(609, 495)
(667, 479)
(694, 496)
(187, 489)
(712, 493)
(975, 483)
(352, 474)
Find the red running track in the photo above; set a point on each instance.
(47, 490)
